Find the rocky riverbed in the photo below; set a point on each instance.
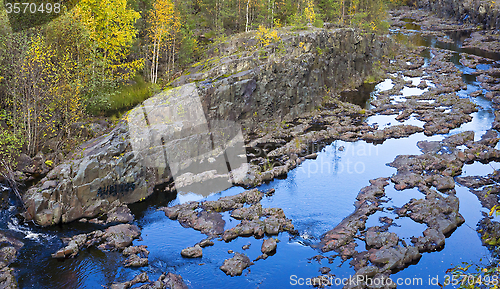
(325, 204)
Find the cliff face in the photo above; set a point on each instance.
(190, 138)
(284, 79)
(486, 13)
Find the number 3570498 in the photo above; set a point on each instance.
(32, 8)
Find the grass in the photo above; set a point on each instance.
(124, 98)
(128, 96)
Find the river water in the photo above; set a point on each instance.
(316, 196)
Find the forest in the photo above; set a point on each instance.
(101, 58)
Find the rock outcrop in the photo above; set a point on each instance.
(8, 254)
(482, 12)
(189, 138)
(235, 266)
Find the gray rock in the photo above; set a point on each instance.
(121, 214)
(138, 250)
(378, 239)
(141, 278)
(236, 265)
(7, 279)
(119, 236)
(135, 261)
(192, 252)
(268, 246)
(206, 243)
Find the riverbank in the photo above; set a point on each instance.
(433, 118)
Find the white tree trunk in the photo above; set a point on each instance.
(246, 26)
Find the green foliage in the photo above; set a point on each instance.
(122, 98)
(471, 276)
(11, 142)
(267, 36)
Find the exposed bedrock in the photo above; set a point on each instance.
(191, 137)
(286, 81)
(486, 13)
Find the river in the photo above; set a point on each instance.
(316, 196)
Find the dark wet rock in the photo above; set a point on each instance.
(141, 278)
(8, 254)
(258, 221)
(113, 238)
(245, 247)
(268, 246)
(138, 250)
(489, 190)
(270, 192)
(206, 243)
(431, 240)
(484, 40)
(210, 223)
(471, 61)
(475, 182)
(490, 234)
(192, 252)
(173, 212)
(324, 270)
(344, 232)
(261, 257)
(165, 281)
(422, 85)
(135, 261)
(121, 214)
(489, 196)
(119, 236)
(377, 239)
(245, 229)
(248, 213)
(7, 279)
(441, 183)
(233, 202)
(236, 265)
(496, 123)
(476, 93)
(170, 280)
(394, 257)
(439, 213)
(77, 242)
(348, 250)
(9, 249)
(397, 131)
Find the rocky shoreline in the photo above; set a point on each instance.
(109, 166)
